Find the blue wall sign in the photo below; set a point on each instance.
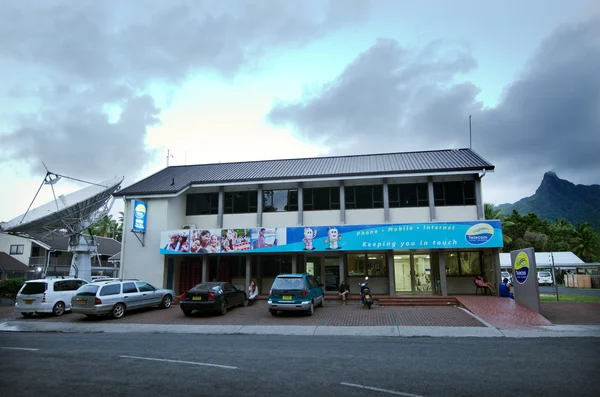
(409, 236)
(140, 212)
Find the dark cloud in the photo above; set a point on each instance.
(391, 98)
(69, 61)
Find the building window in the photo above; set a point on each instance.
(322, 198)
(274, 265)
(16, 249)
(463, 263)
(240, 202)
(372, 265)
(454, 193)
(202, 204)
(408, 195)
(363, 197)
(280, 200)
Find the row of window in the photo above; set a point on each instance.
(328, 198)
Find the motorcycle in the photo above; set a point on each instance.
(365, 293)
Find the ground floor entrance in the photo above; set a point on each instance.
(391, 273)
(413, 274)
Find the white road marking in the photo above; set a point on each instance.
(398, 393)
(20, 348)
(180, 362)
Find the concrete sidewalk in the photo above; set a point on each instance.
(331, 320)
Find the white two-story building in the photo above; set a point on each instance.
(413, 222)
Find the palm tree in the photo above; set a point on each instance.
(587, 242)
(492, 212)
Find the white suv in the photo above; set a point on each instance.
(49, 295)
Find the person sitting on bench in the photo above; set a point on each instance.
(479, 281)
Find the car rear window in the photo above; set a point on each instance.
(88, 290)
(207, 286)
(288, 283)
(544, 274)
(34, 288)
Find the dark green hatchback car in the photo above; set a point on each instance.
(295, 292)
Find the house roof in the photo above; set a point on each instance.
(10, 264)
(176, 178)
(115, 258)
(106, 246)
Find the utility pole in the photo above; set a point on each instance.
(470, 136)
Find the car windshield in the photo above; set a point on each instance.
(88, 290)
(34, 288)
(207, 286)
(544, 274)
(288, 283)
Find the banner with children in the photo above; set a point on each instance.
(435, 235)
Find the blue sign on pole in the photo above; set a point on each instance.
(140, 210)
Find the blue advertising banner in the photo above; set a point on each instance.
(460, 235)
(140, 210)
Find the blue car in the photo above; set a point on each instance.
(295, 292)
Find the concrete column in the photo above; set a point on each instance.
(204, 268)
(248, 270)
(300, 204)
(294, 262)
(259, 276)
(478, 199)
(442, 266)
(221, 206)
(391, 272)
(431, 199)
(342, 203)
(259, 207)
(386, 202)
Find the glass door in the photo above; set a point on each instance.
(313, 266)
(422, 266)
(332, 273)
(402, 274)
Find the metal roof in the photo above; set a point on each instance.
(176, 178)
(544, 259)
(10, 264)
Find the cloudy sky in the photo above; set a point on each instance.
(97, 89)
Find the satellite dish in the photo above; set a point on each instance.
(68, 216)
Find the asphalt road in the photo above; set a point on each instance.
(570, 291)
(173, 365)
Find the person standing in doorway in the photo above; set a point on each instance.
(252, 293)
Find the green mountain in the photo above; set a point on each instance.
(557, 198)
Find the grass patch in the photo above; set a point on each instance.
(569, 298)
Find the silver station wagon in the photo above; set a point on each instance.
(114, 297)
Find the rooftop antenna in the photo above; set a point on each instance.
(470, 136)
(169, 155)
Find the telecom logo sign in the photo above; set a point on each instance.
(139, 216)
(521, 267)
(479, 234)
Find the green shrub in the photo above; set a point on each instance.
(10, 287)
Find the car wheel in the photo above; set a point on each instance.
(223, 309)
(118, 311)
(311, 309)
(273, 312)
(58, 309)
(166, 302)
(187, 313)
(244, 302)
(27, 314)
